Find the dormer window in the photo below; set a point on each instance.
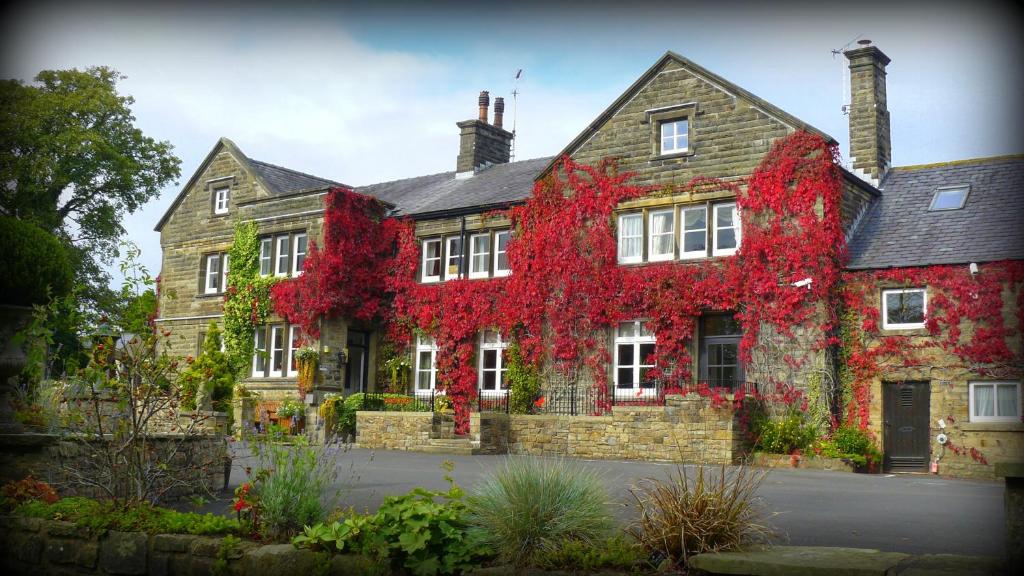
(675, 136)
(221, 197)
(949, 198)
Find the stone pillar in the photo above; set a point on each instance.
(1013, 501)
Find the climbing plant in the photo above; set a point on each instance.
(246, 299)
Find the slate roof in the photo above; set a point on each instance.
(280, 180)
(495, 186)
(899, 230)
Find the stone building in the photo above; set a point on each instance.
(677, 121)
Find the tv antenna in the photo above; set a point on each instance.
(515, 112)
(845, 105)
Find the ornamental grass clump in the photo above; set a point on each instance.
(702, 511)
(532, 505)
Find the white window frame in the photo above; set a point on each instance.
(995, 399)
(267, 255)
(638, 362)
(499, 272)
(500, 369)
(674, 137)
(904, 325)
(221, 200)
(703, 253)
(630, 259)
(965, 190)
(716, 251)
(212, 275)
(256, 356)
(446, 271)
(296, 266)
(281, 255)
(652, 256)
(275, 345)
(424, 261)
(473, 256)
(426, 344)
(290, 360)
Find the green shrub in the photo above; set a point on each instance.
(786, 435)
(413, 532)
(209, 376)
(524, 383)
(530, 505)
(291, 483)
(101, 516)
(615, 553)
(851, 443)
(703, 512)
(34, 262)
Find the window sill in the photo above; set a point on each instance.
(221, 215)
(205, 295)
(1008, 426)
(905, 331)
(672, 156)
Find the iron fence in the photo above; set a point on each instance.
(585, 400)
(429, 401)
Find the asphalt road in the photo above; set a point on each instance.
(902, 513)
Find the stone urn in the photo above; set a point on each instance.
(13, 319)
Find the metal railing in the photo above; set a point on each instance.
(586, 400)
(429, 401)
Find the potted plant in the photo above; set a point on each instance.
(291, 413)
(307, 357)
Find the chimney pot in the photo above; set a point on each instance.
(499, 111)
(485, 101)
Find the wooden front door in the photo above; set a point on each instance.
(357, 372)
(905, 408)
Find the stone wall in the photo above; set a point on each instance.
(687, 430)
(199, 462)
(393, 430)
(33, 546)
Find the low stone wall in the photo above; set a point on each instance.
(687, 429)
(765, 460)
(52, 458)
(33, 546)
(393, 430)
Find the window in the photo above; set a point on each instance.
(215, 273)
(675, 136)
(426, 364)
(259, 358)
(662, 224)
(277, 350)
(634, 344)
(903, 309)
(282, 256)
(266, 256)
(720, 336)
(294, 339)
(995, 401)
(727, 230)
(493, 362)
(501, 253)
(298, 254)
(431, 260)
(453, 268)
(220, 200)
(949, 198)
(695, 232)
(631, 238)
(479, 255)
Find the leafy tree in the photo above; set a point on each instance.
(209, 376)
(73, 162)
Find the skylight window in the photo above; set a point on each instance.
(949, 198)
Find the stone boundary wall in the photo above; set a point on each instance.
(44, 547)
(687, 429)
(808, 462)
(48, 457)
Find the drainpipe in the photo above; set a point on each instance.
(463, 270)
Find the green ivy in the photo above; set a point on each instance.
(247, 299)
(209, 373)
(524, 383)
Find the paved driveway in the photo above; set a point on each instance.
(903, 513)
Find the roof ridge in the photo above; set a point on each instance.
(545, 158)
(293, 171)
(979, 160)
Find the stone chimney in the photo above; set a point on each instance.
(870, 149)
(482, 144)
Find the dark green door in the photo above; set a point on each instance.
(905, 408)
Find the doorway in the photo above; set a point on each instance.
(905, 414)
(357, 371)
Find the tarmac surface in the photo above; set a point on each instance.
(910, 513)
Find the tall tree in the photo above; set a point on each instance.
(73, 162)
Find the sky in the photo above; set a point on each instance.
(370, 93)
